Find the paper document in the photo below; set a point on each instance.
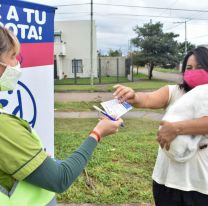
(115, 108)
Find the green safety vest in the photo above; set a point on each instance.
(26, 194)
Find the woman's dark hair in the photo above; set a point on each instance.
(201, 54)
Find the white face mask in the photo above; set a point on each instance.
(10, 77)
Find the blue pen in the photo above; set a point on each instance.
(107, 115)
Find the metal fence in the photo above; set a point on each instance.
(109, 70)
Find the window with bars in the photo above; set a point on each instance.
(77, 66)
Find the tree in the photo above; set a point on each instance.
(181, 49)
(114, 53)
(99, 53)
(137, 59)
(156, 46)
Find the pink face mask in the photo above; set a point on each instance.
(196, 77)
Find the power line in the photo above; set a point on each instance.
(144, 7)
(198, 37)
(171, 5)
(173, 27)
(151, 7)
(194, 16)
(187, 20)
(127, 14)
(135, 6)
(144, 15)
(179, 24)
(134, 15)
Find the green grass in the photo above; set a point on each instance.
(141, 82)
(87, 106)
(75, 106)
(86, 81)
(174, 70)
(120, 169)
(137, 85)
(140, 76)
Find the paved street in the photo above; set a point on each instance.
(174, 77)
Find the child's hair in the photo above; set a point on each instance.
(8, 41)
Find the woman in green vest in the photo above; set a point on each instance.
(28, 176)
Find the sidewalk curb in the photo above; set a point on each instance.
(132, 115)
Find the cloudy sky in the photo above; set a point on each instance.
(115, 19)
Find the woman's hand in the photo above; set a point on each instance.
(107, 127)
(123, 93)
(166, 134)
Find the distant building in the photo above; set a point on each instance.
(112, 66)
(72, 49)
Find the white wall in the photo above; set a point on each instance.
(109, 66)
(76, 34)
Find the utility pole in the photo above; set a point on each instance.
(185, 22)
(185, 38)
(91, 45)
(131, 60)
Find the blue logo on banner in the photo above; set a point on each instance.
(19, 109)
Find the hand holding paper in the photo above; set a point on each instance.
(114, 109)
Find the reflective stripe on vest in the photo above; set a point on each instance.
(25, 194)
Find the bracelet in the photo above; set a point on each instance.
(98, 137)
